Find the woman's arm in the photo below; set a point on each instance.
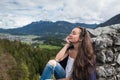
(62, 52)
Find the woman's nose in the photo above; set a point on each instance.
(70, 34)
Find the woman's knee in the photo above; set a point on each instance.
(52, 62)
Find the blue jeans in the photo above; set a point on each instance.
(49, 70)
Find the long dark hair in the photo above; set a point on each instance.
(85, 59)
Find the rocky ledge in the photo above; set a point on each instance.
(106, 42)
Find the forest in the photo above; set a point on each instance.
(20, 61)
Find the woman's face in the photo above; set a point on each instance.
(74, 35)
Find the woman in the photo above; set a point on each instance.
(75, 61)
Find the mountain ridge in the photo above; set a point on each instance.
(114, 20)
(43, 28)
(46, 28)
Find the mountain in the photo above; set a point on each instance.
(46, 28)
(111, 21)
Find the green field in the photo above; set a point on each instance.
(49, 47)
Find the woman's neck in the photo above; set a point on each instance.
(76, 45)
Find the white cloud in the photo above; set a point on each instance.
(16, 13)
(13, 21)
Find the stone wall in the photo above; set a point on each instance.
(106, 42)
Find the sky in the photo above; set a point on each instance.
(18, 13)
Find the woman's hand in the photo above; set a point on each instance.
(67, 40)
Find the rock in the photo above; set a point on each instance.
(106, 43)
(101, 57)
(118, 69)
(101, 79)
(109, 55)
(101, 71)
(118, 77)
(110, 71)
(118, 59)
(101, 43)
(103, 30)
(117, 40)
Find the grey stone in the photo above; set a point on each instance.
(110, 71)
(109, 55)
(101, 71)
(118, 77)
(116, 39)
(118, 59)
(101, 57)
(101, 43)
(106, 42)
(101, 79)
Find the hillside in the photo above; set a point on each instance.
(46, 28)
(111, 21)
(19, 61)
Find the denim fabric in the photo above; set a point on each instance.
(49, 70)
(59, 72)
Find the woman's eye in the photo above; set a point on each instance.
(74, 33)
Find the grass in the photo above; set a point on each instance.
(49, 47)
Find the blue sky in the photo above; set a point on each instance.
(17, 13)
